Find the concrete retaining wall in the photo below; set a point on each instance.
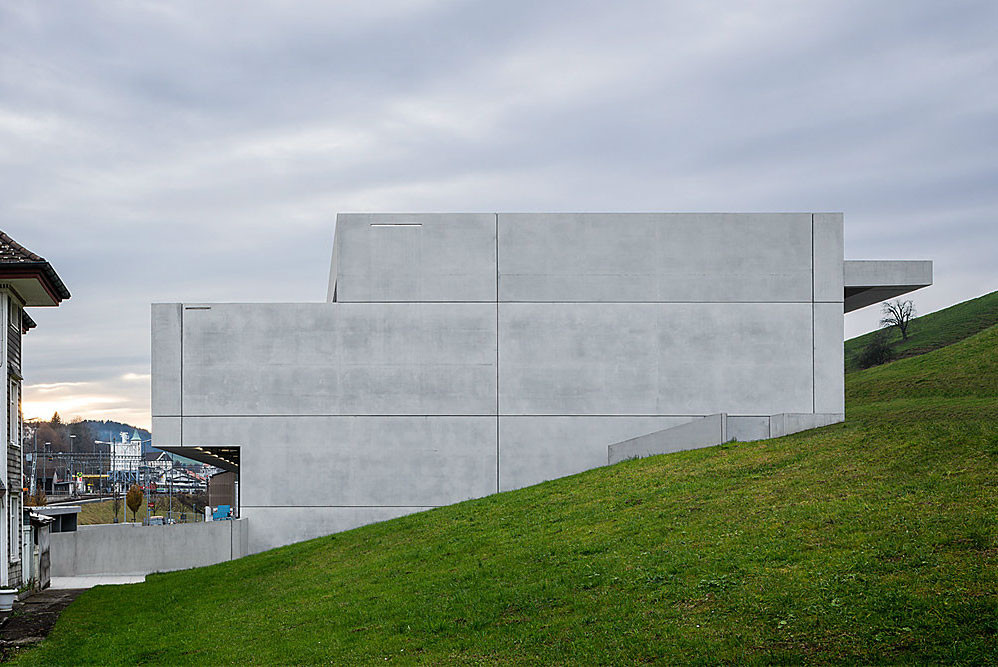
(787, 423)
(118, 549)
(705, 432)
(715, 429)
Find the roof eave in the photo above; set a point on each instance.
(43, 273)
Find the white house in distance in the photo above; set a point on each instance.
(458, 355)
(25, 280)
(126, 453)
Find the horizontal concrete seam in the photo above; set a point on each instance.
(475, 416)
(620, 301)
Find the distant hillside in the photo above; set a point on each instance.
(933, 331)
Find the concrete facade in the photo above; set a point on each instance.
(459, 355)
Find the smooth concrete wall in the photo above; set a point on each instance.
(829, 360)
(336, 461)
(469, 353)
(112, 549)
(826, 255)
(654, 359)
(166, 362)
(339, 359)
(415, 257)
(657, 257)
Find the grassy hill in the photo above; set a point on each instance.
(935, 330)
(875, 540)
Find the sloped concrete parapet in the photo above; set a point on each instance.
(704, 432)
(714, 430)
(792, 422)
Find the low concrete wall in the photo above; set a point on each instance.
(705, 432)
(789, 422)
(715, 429)
(119, 549)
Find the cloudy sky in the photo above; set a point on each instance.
(168, 151)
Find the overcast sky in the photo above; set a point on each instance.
(169, 151)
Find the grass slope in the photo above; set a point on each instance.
(872, 540)
(935, 330)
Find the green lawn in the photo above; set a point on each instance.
(935, 330)
(875, 540)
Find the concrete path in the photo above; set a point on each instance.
(72, 583)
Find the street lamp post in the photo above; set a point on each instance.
(72, 468)
(48, 446)
(100, 465)
(34, 466)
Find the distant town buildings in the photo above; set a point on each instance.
(126, 453)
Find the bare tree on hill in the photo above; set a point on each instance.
(898, 314)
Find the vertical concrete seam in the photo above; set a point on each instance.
(497, 353)
(813, 399)
(181, 410)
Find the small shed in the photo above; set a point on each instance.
(65, 516)
(36, 563)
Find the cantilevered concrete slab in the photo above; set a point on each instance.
(867, 282)
(459, 355)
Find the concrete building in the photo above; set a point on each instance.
(26, 280)
(459, 355)
(158, 463)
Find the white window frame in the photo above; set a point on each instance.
(14, 527)
(14, 410)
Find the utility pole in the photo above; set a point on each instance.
(48, 446)
(100, 467)
(34, 466)
(72, 468)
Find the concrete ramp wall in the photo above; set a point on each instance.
(705, 432)
(132, 549)
(716, 429)
(788, 422)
